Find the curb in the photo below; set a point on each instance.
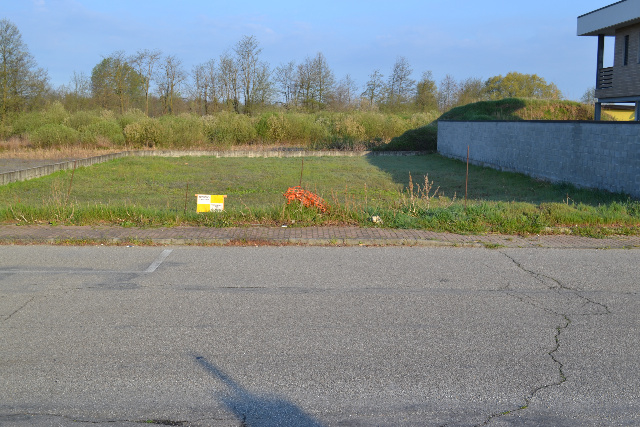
(309, 236)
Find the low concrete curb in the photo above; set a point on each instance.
(309, 236)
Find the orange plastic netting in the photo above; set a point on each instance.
(306, 197)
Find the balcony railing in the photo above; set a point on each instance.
(605, 78)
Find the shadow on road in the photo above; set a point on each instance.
(254, 410)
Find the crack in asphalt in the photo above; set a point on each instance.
(588, 306)
(149, 421)
(19, 309)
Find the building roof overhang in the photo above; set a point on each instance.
(608, 19)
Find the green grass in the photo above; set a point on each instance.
(138, 191)
(521, 109)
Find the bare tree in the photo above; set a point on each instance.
(77, 93)
(144, 62)
(314, 82)
(170, 82)
(400, 85)
(204, 89)
(211, 83)
(589, 96)
(198, 89)
(324, 79)
(375, 88)
(285, 80)
(263, 89)
(247, 56)
(448, 93)
(344, 93)
(228, 81)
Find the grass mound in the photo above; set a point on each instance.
(520, 109)
(425, 138)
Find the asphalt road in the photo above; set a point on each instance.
(316, 336)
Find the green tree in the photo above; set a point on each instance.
(470, 90)
(115, 84)
(518, 85)
(22, 84)
(427, 93)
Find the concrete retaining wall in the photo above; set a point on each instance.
(603, 155)
(25, 174)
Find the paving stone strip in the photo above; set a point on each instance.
(329, 236)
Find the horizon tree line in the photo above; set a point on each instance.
(239, 80)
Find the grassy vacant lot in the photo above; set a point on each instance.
(160, 192)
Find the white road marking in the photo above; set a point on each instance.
(155, 264)
(152, 267)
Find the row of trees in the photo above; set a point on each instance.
(239, 80)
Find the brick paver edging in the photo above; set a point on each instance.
(329, 236)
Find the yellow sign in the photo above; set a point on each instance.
(209, 203)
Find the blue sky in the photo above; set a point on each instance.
(464, 38)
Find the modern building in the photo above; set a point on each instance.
(620, 83)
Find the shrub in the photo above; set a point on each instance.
(184, 130)
(373, 124)
(103, 129)
(347, 128)
(81, 119)
(307, 128)
(53, 135)
(55, 114)
(393, 126)
(226, 128)
(25, 123)
(131, 116)
(143, 133)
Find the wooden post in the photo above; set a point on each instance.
(466, 182)
(301, 170)
(186, 192)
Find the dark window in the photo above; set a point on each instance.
(626, 51)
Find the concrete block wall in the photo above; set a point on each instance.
(603, 155)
